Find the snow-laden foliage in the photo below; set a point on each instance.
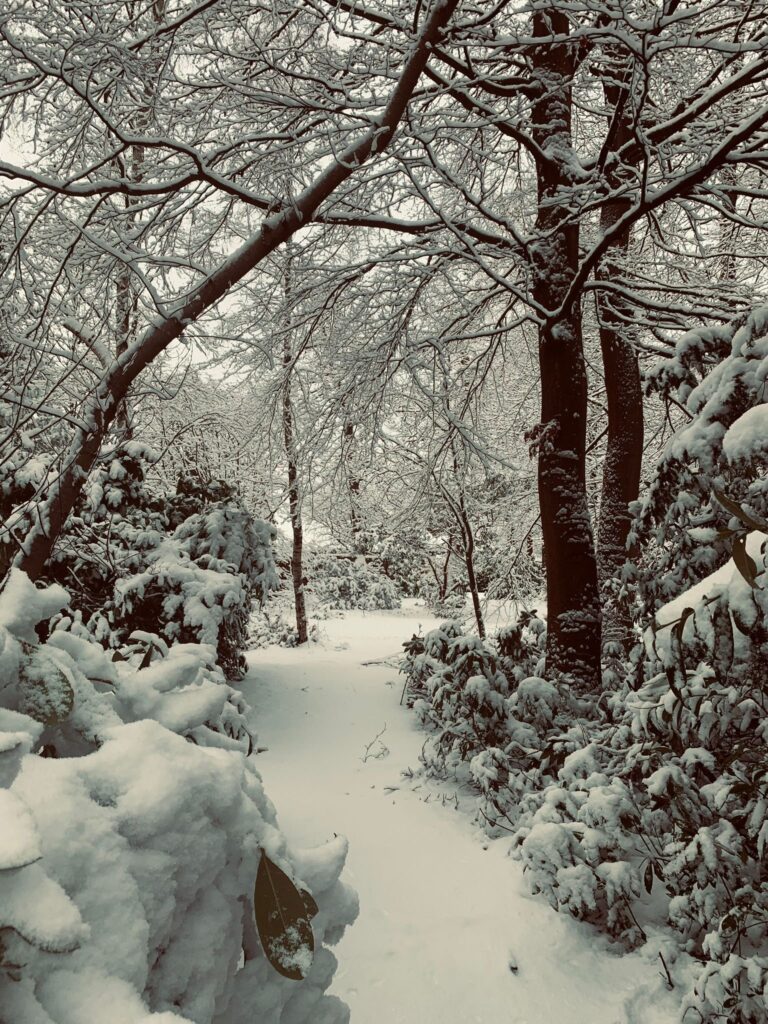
(719, 376)
(489, 709)
(343, 583)
(127, 873)
(273, 624)
(666, 797)
(187, 565)
(645, 805)
(455, 684)
(401, 556)
(200, 582)
(648, 810)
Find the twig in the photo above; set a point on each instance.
(382, 752)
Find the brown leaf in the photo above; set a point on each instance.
(283, 921)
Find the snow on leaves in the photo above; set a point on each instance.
(283, 918)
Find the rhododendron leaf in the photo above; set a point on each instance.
(744, 561)
(283, 921)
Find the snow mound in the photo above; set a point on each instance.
(748, 436)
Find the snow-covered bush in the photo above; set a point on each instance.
(646, 804)
(485, 708)
(401, 556)
(343, 583)
(271, 624)
(188, 566)
(201, 581)
(451, 605)
(128, 874)
(669, 794)
(718, 375)
(465, 698)
(117, 523)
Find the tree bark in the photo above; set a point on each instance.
(573, 636)
(294, 495)
(468, 543)
(624, 451)
(352, 479)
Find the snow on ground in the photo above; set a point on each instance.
(444, 911)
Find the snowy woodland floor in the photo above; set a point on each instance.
(444, 911)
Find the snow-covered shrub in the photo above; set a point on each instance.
(270, 625)
(201, 581)
(188, 566)
(534, 752)
(647, 804)
(521, 645)
(342, 583)
(484, 710)
(451, 605)
(454, 686)
(718, 375)
(668, 793)
(127, 874)
(117, 523)
(402, 557)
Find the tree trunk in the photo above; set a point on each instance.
(624, 451)
(126, 291)
(352, 479)
(468, 541)
(573, 637)
(294, 492)
(729, 228)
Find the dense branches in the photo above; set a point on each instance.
(553, 170)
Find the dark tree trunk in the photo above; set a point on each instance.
(468, 540)
(624, 451)
(573, 637)
(294, 492)
(297, 526)
(353, 481)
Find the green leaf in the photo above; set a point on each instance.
(309, 902)
(45, 693)
(283, 921)
(648, 877)
(723, 649)
(743, 561)
(146, 660)
(736, 510)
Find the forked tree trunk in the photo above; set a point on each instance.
(573, 637)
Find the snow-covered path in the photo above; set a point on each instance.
(442, 910)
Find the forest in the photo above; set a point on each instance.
(383, 423)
